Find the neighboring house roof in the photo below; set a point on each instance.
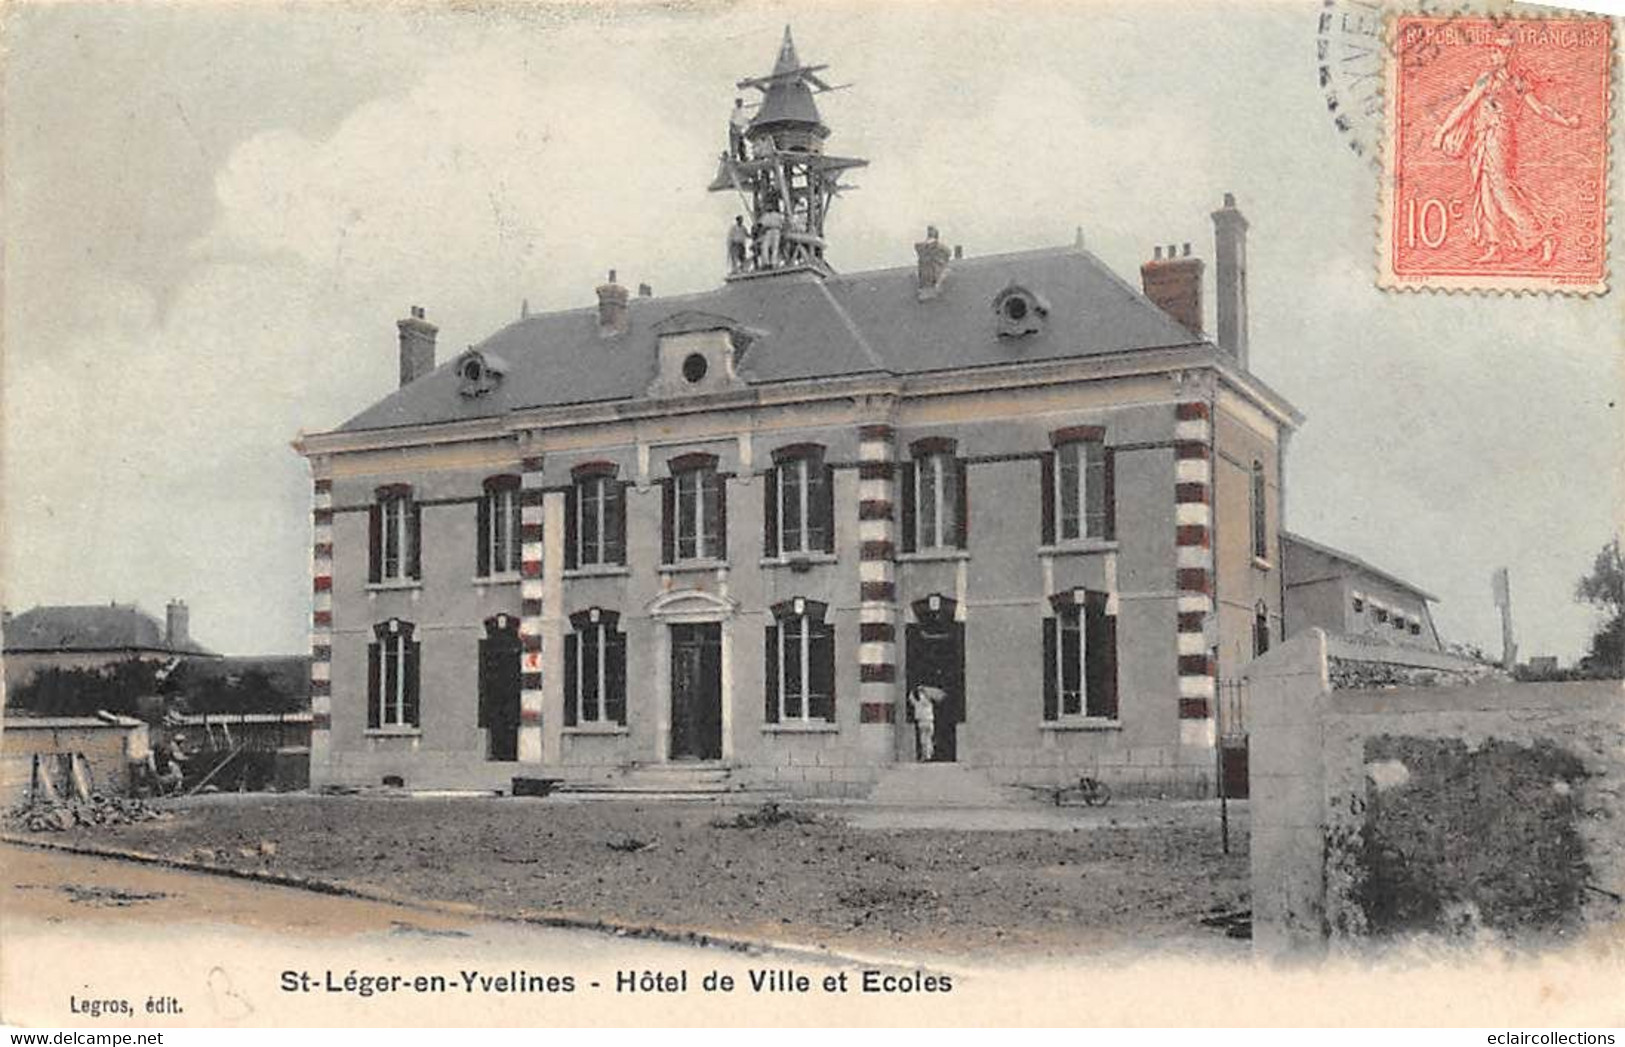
(1356, 562)
(99, 627)
(803, 326)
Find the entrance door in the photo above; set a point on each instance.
(696, 691)
(935, 655)
(499, 688)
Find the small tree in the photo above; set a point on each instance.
(1604, 589)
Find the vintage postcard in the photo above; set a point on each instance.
(524, 515)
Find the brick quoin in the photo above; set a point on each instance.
(531, 716)
(883, 592)
(1193, 709)
(1191, 621)
(1194, 580)
(1190, 494)
(877, 632)
(1190, 449)
(877, 673)
(1192, 534)
(875, 470)
(321, 722)
(322, 486)
(877, 712)
(321, 687)
(1190, 412)
(322, 618)
(1195, 665)
(876, 551)
(874, 509)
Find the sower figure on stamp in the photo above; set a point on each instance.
(922, 702)
(1505, 213)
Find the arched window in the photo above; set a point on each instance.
(594, 669)
(1078, 500)
(798, 508)
(392, 676)
(395, 521)
(498, 549)
(799, 659)
(935, 502)
(595, 517)
(695, 513)
(1080, 657)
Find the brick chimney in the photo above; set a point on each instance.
(1174, 282)
(1230, 278)
(177, 625)
(612, 311)
(417, 345)
(933, 255)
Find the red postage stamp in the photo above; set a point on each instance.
(1495, 173)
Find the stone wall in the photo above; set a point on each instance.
(1487, 810)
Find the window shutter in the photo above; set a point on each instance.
(615, 551)
(1100, 651)
(1052, 646)
(375, 543)
(1046, 495)
(668, 520)
(719, 483)
(572, 529)
(414, 563)
(615, 677)
(516, 532)
(482, 556)
(821, 671)
(1108, 487)
(770, 513)
(826, 507)
(961, 504)
(485, 684)
(373, 674)
(410, 685)
(770, 674)
(572, 649)
(905, 482)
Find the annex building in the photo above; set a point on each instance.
(736, 529)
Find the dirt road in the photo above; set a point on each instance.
(1122, 879)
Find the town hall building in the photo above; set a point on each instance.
(738, 530)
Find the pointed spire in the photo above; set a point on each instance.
(788, 100)
(787, 63)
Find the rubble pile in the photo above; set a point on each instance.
(97, 812)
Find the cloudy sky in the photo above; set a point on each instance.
(217, 212)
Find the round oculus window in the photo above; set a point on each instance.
(694, 367)
(471, 371)
(1015, 307)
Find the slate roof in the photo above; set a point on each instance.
(804, 326)
(1356, 562)
(98, 627)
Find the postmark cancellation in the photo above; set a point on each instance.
(1495, 154)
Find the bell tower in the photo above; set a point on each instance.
(776, 163)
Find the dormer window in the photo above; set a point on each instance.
(478, 373)
(1019, 312)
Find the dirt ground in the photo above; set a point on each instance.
(1123, 878)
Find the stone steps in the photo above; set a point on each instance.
(659, 781)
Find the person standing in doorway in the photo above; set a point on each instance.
(922, 702)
